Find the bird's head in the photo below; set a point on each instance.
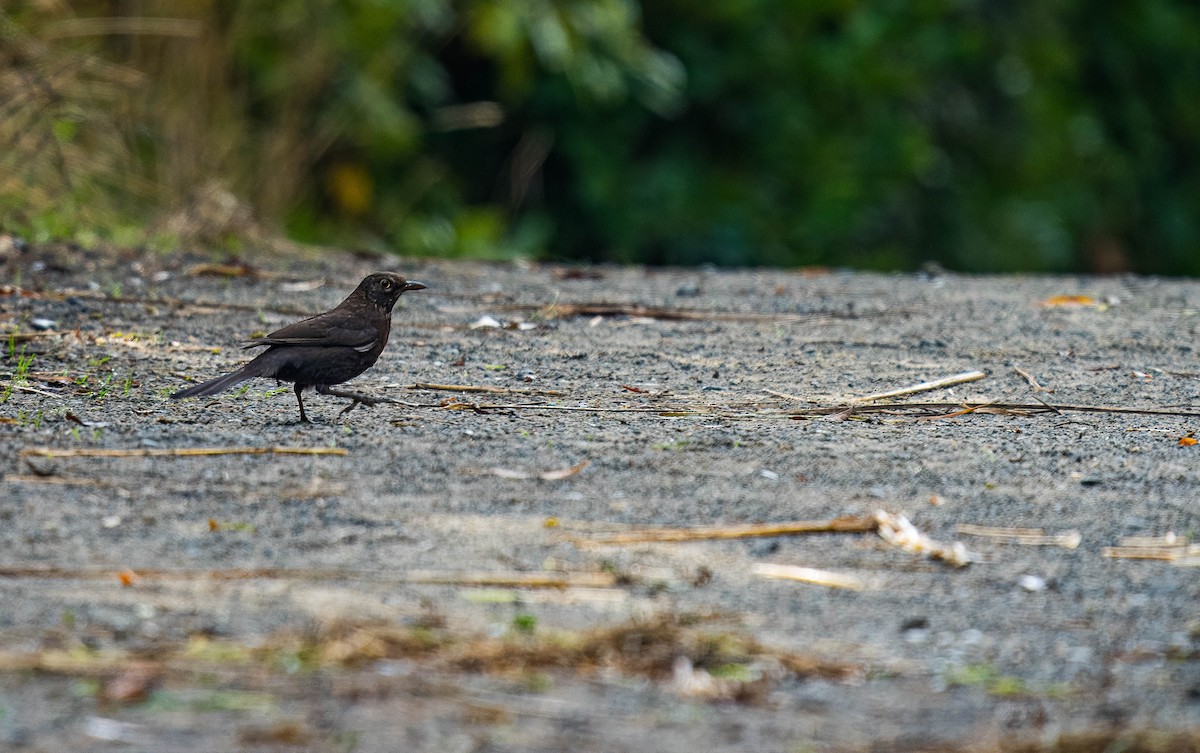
(384, 288)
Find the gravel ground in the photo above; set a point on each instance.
(159, 601)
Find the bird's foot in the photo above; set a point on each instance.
(356, 399)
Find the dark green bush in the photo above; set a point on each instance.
(1053, 136)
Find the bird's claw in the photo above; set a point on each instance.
(358, 400)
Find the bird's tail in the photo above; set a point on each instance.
(220, 384)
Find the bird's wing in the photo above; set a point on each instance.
(333, 328)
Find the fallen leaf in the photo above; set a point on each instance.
(127, 577)
(1187, 441)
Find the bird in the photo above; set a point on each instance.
(325, 349)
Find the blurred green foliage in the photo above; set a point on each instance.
(986, 136)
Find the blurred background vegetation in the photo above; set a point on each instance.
(982, 135)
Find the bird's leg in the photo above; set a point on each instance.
(357, 398)
(300, 402)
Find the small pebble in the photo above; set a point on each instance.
(109, 730)
(1032, 583)
(42, 325)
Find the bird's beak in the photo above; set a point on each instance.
(414, 285)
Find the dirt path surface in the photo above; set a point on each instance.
(427, 576)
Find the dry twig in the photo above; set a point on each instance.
(812, 575)
(846, 524)
(557, 474)
(483, 388)
(1023, 408)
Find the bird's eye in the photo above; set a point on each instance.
(386, 284)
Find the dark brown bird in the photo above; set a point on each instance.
(325, 349)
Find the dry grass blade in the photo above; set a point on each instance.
(1029, 378)
(1168, 547)
(812, 575)
(669, 314)
(936, 384)
(34, 390)
(989, 407)
(1167, 540)
(513, 579)
(49, 452)
(1170, 553)
(846, 524)
(483, 388)
(965, 411)
(1025, 536)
